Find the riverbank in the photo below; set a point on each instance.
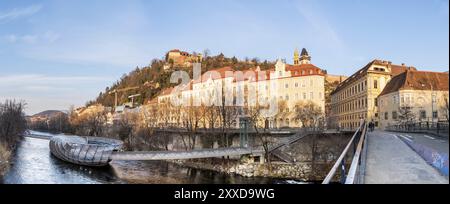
(5, 156)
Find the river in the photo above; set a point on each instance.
(33, 163)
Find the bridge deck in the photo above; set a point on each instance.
(390, 160)
(193, 154)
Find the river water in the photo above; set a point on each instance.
(33, 163)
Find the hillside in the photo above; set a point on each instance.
(47, 113)
(153, 78)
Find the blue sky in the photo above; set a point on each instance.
(54, 54)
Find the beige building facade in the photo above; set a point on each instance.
(415, 96)
(287, 84)
(356, 97)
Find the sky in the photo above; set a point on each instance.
(54, 54)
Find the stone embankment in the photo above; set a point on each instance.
(301, 171)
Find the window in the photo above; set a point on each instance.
(296, 96)
(435, 114)
(280, 73)
(376, 102)
(286, 85)
(287, 97)
(304, 96)
(375, 84)
(386, 116)
(310, 72)
(296, 84)
(423, 114)
(394, 115)
(376, 115)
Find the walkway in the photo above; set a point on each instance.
(193, 154)
(392, 161)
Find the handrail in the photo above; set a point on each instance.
(437, 128)
(340, 162)
(356, 158)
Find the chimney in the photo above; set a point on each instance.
(403, 64)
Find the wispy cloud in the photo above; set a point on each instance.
(47, 37)
(323, 29)
(16, 13)
(37, 79)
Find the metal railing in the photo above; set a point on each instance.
(437, 128)
(355, 173)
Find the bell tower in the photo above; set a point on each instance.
(296, 57)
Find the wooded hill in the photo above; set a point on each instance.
(153, 79)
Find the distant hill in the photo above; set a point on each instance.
(154, 78)
(48, 113)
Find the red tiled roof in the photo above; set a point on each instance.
(153, 101)
(395, 70)
(417, 80)
(304, 70)
(211, 74)
(166, 91)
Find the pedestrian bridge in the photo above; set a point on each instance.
(193, 154)
(96, 151)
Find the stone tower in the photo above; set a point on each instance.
(305, 58)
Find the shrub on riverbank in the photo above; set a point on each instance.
(12, 122)
(5, 154)
(12, 126)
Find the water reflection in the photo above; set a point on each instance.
(34, 164)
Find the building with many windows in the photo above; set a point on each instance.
(287, 84)
(414, 96)
(356, 97)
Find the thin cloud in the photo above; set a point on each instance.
(19, 13)
(320, 24)
(49, 36)
(33, 79)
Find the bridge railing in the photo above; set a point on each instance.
(356, 148)
(437, 128)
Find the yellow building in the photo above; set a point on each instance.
(181, 58)
(415, 96)
(356, 98)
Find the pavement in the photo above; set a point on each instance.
(391, 160)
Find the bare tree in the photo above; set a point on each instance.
(258, 121)
(191, 116)
(445, 107)
(309, 113)
(405, 115)
(12, 122)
